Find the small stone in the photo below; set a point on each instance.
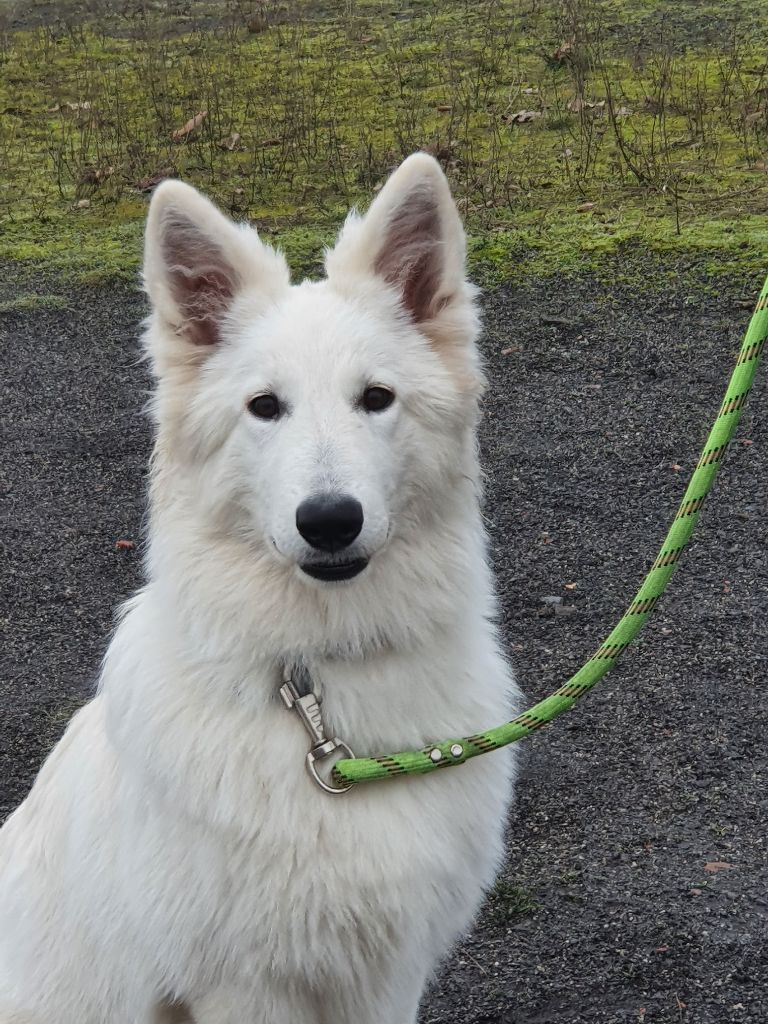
(564, 609)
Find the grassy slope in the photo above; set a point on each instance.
(649, 126)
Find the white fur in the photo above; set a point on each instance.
(173, 850)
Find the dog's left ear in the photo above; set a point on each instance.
(412, 239)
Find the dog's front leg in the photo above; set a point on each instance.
(394, 1002)
(269, 1006)
(172, 1013)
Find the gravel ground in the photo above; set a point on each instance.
(609, 910)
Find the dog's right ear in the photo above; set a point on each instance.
(197, 262)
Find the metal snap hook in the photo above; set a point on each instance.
(307, 707)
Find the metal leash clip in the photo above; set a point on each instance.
(307, 706)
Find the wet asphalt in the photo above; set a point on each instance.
(636, 888)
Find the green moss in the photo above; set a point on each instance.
(643, 139)
(507, 902)
(32, 301)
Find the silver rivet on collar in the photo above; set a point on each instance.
(457, 750)
(435, 755)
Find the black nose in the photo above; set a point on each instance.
(329, 522)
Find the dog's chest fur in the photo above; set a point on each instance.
(272, 866)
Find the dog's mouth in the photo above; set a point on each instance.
(333, 572)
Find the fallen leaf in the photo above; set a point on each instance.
(189, 129)
(444, 108)
(746, 442)
(585, 207)
(231, 143)
(680, 1004)
(522, 117)
(713, 866)
(508, 351)
(563, 52)
(696, 892)
(577, 104)
(124, 545)
(95, 175)
(662, 949)
(147, 184)
(675, 467)
(73, 107)
(570, 586)
(83, 204)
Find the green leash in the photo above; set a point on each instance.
(349, 771)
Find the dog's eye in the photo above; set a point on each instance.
(265, 407)
(377, 398)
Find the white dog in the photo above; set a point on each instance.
(314, 498)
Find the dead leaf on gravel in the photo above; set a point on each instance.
(189, 129)
(696, 892)
(508, 351)
(125, 545)
(675, 467)
(570, 586)
(713, 866)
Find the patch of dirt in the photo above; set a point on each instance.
(607, 912)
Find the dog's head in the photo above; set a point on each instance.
(314, 425)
